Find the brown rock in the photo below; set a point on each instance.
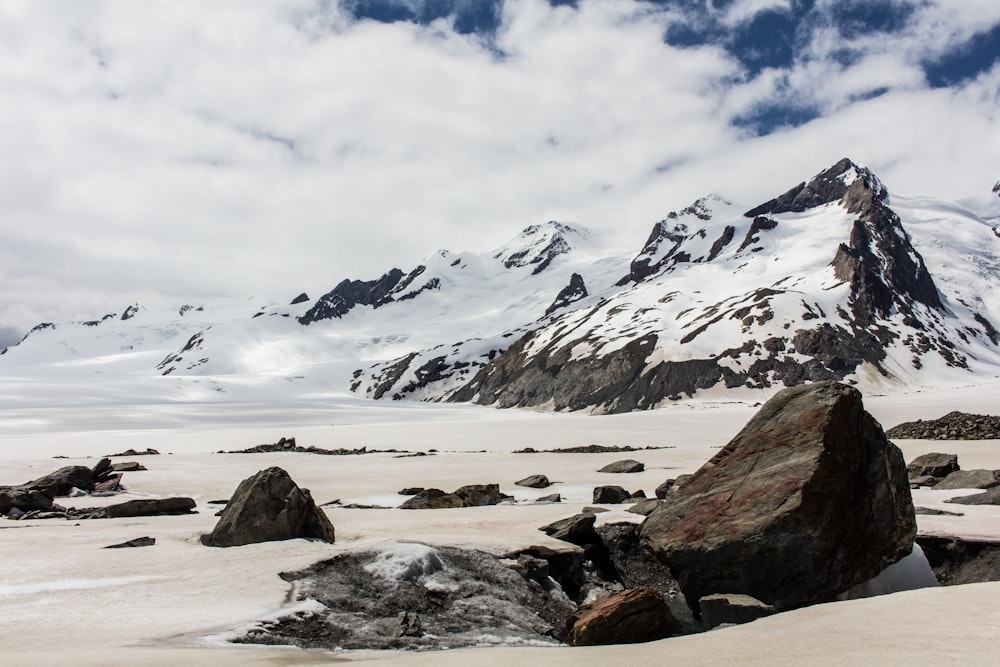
(624, 466)
(968, 479)
(809, 499)
(534, 482)
(631, 616)
(610, 495)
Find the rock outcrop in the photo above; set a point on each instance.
(732, 609)
(934, 464)
(632, 616)
(809, 499)
(534, 482)
(470, 495)
(953, 426)
(969, 479)
(269, 506)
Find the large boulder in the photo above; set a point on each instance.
(269, 506)
(935, 464)
(809, 499)
(610, 495)
(23, 500)
(969, 479)
(62, 481)
(471, 495)
(631, 616)
(534, 482)
(624, 466)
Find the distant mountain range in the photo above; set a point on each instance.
(834, 279)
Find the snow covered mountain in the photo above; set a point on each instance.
(834, 279)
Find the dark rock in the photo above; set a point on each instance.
(25, 500)
(62, 481)
(645, 507)
(732, 609)
(301, 298)
(534, 482)
(956, 561)
(350, 293)
(953, 426)
(624, 466)
(430, 499)
(269, 506)
(594, 510)
(968, 479)
(638, 494)
(573, 292)
(471, 495)
(150, 507)
(533, 567)
(934, 512)
(411, 491)
(479, 495)
(632, 616)
(102, 470)
(109, 486)
(131, 452)
(808, 499)
(610, 495)
(408, 625)
(663, 489)
(589, 449)
(552, 498)
(990, 497)
(933, 465)
(128, 466)
(923, 480)
(137, 542)
(577, 529)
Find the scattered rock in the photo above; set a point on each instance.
(552, 498)
(933, 465)
(968, 479)
(732, 609)
(137, 542)
(128, 466)
(411, 491)
(150, 507)
(577, 529)
(471, 495)
(663, 489)
(808, 499)
(590, 449)
(990, 497)
(24, 500)
(289, 445)
(408, 625)
(634, 615)
(62, 481)
(610, 495)
(624, 466)
(132, 452)
(934, 512)
(953, 426)
(269, 506)
(956, 561)
(534, 482)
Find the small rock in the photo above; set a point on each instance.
(577, 529)
(624, 466)
(631, 616)
(645, 507)
(552, 498)
(934, 464)
(663, 489)
(534, 482)
(128, 466)
(137, 542)
(934, 512)
(411, 491)
(408, 625)
(610, 495)
(989, 497)
(732, 609)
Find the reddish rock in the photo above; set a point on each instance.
(632, 616)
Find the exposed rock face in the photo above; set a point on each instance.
(624, 466)
(269, 506)
(808, 499)
(953, 426)
(24, 500)
(731, 609)
(969, 479)
(137, 542)
(629, 617)
(934, 464)
(573, 292)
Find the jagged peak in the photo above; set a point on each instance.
(828, 186)
(539, 245)
(996, 188)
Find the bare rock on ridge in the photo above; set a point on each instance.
(269, 506)
(809, 499)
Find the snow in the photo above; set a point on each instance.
(405, 561)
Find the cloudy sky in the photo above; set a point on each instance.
(171, 152)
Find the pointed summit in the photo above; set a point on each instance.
(539, 245)
(824, 188)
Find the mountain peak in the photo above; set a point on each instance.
(539, 245)
(826, 187)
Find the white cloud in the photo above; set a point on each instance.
(176, 151)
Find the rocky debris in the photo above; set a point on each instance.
(413, 596)
(953, 426)
(631, 616)
(149, 451)
(968, 479)
(15, 501)
(269, 506)
(732, 609)
(610, 495)
(411, 491)
(38, 495)
(128, 509)
(934, 512)
(301, 298)
(990, 497)
(624, 466)
(471, 495)
(956, 561)
(934, 465)
(551, 498)
(350, 293)
(137, 542)
(289, 445)
(128, 466)
(534, 482)
(577, 529)
(589, 449)
(808, 499)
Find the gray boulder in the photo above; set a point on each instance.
(269, 506)
(534, 482)
(624, 466)
(934, 464)
(809, 499)
(610, 495)
(968, 479)
(471, 495)
(577, 529)
(989, 497)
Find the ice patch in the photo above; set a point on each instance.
(405, 561)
